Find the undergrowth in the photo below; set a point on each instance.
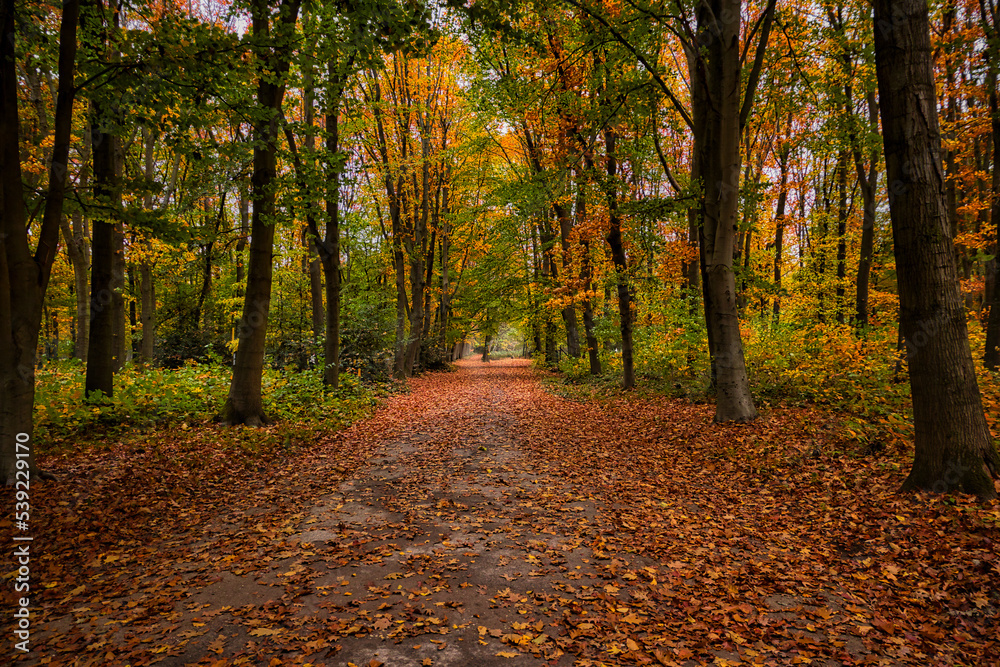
(149, 399)
(830, 367)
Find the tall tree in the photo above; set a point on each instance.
(719, 114)
(24, 276)
(990, 18)
(101, 23)
(953, 450)
(272, 46)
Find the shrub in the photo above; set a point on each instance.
(161, 397)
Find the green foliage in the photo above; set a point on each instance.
(810, 364)
(366, 337)
(178, 398)
(826, 365)
(574, 370)
(672, 349)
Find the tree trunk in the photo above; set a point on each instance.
(101, 350)
(416, 246)
(395, 197)
(620, 260)
(206, 287)
(536, 272)
(53, 352)
(244, 404)
(78, 249)
(779, 226)
(147, 298)
(24, 276)
(444, 305)
(551, 347)
(133, 320)
(147, 290)
(991, 356)
(241, 243)
(586, 277)
(569, 310)
(691, 267)
(330, 250)
(107, 249)
(315, 270)
(716, 107)
(310, 233)
(549, 271)
(402, 305)
(953, 447)
(869, 183)
(842, 210)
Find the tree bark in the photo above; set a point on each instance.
(147, 312)
(101, 347)
(241, 243)
(78, 249)
(244, 403)
(147, 287)
(569, 317)
(586, 278)
(779, 226)
(991, 356)
(593, 353)
(869, 184)
(395, 196)
(315, 271)
(329, 251)
(842, 210)
(953, 447)
(107, 313)
(716, 107)
(310, 233)
(24, 275)
(415, 249)
(620, 260)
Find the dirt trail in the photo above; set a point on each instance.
(437, 551)
(481, 521)
(453, 548)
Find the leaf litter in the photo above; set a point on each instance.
(482, 520)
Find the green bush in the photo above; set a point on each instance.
(159, 397)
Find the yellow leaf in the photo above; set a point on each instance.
(266, 632)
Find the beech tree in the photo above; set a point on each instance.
(990, 18)
(24, 276)
(101, 24)
(272, 39)
(719, 113)
(953, 447)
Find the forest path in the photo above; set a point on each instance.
(480, 520)
(457, 546)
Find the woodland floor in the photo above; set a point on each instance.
(482, 520)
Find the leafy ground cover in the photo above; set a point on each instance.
(482, 520)
(860, 379)
(150, 399)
